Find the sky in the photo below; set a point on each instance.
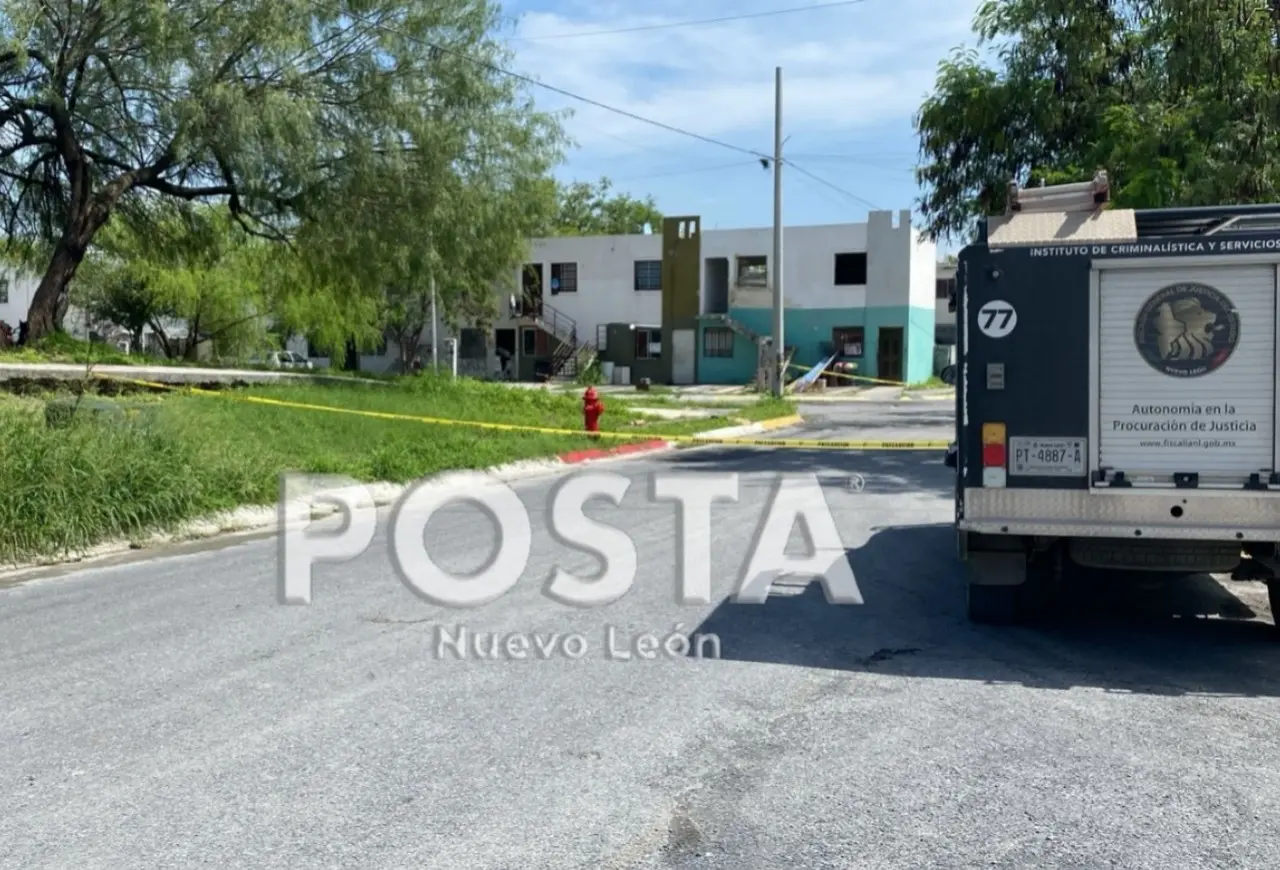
(853, 77)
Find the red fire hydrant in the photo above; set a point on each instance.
(592, 408)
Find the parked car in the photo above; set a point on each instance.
(283, 359)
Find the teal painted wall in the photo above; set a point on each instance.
(738, 369)
(921, 340)
(807, 329)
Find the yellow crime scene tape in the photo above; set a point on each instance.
(793, 443)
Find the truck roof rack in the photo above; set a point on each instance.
(1059, 214)
(1083, 196)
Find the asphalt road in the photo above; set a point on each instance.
(169, 713)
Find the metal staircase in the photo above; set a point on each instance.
(567, 354)
(570, 361)
(762, 343)
(740, 328)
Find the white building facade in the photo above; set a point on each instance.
(699, 303)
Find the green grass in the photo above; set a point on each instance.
(62, 348)
(933, 383)
(66, 489)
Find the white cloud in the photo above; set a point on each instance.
(845, 69)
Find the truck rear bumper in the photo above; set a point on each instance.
(1162, 514)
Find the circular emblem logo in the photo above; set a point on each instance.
(1186, 330)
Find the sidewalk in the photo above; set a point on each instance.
(11, 372)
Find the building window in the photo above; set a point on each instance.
(528, 342)
(471, 343)
(4, 291)
(847, 340)
(531, 278)
(564, 278)
(944, 287)
(851, 270)
(648, 275)
(648, 343)
(944, 333)
(717, 341)
(753, 271)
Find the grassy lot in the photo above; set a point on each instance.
(62, 348)
(184, 456)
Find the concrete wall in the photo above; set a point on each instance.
(808, 257)
(944, 317)
(808, 329)
(22, 287)
(899, 292)
(606, 280)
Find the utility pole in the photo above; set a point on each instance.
(779, 343)
(435, 344)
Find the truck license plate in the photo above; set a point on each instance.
(1047, 457)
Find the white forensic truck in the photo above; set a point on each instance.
(1116, 394)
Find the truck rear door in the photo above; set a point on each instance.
(1183, 376)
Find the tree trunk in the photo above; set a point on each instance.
(190, 352)
(49, 304)
(42, 316)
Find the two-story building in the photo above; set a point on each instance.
(687, 306)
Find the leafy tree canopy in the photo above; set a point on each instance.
(1178, 99)
(594, 209)
(175, 267)
(294, 114)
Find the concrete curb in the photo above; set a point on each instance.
(575, 457)
(750, 428)
(259, 518)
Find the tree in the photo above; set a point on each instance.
(180, 265)
(266, 106)
(1178, 99)
(592, 209)
(461, 222)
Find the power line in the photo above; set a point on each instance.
(837, 188)
(690, 171)
(851, 158)
(725, 18)
(571, 95)
(765, 160)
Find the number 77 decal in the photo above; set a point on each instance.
(997, 318)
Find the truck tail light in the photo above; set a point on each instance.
(994, 455)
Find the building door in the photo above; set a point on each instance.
(717, 284)
(889, 353)
(531, 289)
(504, 341)
(684, 354)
